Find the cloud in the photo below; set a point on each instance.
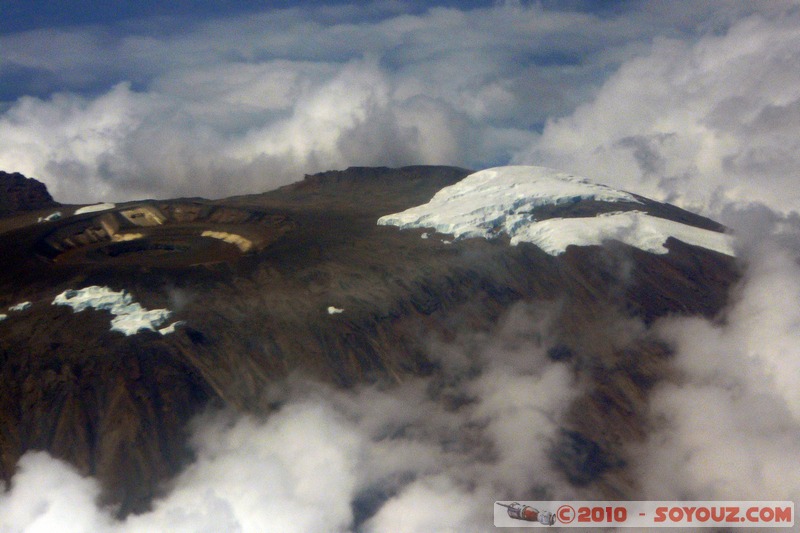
(125, 144)
(727, 426)
(174, 106)
(69, 134)
(294, 472)
(433, 504)
(49, 495)
(702, 123)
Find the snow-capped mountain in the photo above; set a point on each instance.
(514, 201)
(140, 315)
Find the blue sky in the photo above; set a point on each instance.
(20, 15)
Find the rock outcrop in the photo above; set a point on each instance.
(18, 194)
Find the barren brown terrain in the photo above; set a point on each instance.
(251, 279)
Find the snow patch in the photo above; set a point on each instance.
(51, 217)
(334, 310)
(20, 306)
(94, 208)
(129, 316)
(503, 200)
(3, 317)
(171, 328)
(124, 237)
(634, 228)
(231, 238)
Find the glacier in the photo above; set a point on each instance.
(94, 208)
(503, 200)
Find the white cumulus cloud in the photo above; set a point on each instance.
(703, 123)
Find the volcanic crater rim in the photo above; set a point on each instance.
(163, 233)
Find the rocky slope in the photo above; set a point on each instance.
(303, 279)
(18, 193)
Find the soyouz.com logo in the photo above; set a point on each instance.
(640, 514)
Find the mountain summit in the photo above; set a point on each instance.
(532, 204)
(120, 323)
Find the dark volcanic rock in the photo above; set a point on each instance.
(18, 193)
(252, 279)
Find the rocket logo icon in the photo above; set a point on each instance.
(528, 513)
